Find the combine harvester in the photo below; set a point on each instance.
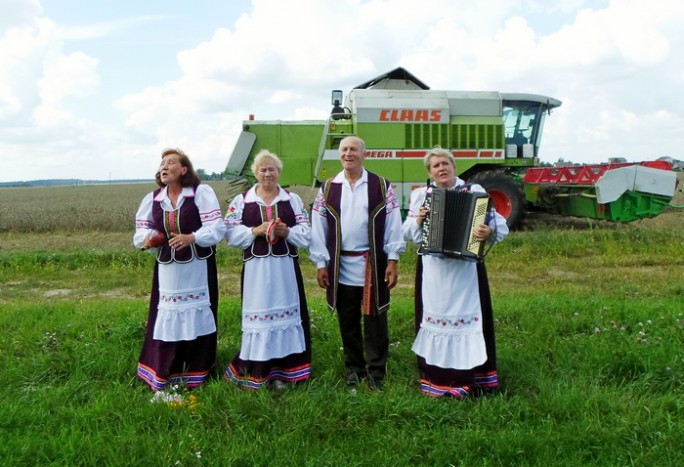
(494, 137)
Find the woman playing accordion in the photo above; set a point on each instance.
(454, 325)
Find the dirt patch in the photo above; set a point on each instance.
(56, 293)
(116, 293)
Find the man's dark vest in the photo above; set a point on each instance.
(377, 189)
(186, 220)
(254, 215)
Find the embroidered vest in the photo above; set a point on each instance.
(185, 220)
(377, 189)
(254, 215)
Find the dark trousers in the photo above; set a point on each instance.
(373, 335)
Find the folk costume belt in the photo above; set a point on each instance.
(366, 301)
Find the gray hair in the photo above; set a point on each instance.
(261, 157)
(361, 142)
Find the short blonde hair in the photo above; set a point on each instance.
(438, 151)
(261, 157)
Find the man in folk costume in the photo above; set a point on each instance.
(356, 244)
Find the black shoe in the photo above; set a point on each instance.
(353, 379)
(375, 384)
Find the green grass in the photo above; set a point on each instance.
(590, 334)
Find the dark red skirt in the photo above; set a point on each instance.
(183, 363)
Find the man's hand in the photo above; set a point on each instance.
(322, 277)
(391, 273)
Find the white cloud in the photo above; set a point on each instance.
(16, 13)
(107, 28)
(615, 65)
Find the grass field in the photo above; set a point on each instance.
(590, 334)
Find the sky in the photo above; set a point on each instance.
(96, 90)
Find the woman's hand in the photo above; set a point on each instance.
(482, 232)
(280, 229)
(260, 230)
(180, 241)
(422, 215)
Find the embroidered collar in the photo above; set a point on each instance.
(340, 178)
(252, 197)
(163, 195)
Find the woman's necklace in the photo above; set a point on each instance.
(173, 197)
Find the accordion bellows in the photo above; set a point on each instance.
(449, 227)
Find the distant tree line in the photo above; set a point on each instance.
(212, 176)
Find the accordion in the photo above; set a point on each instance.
(449, 227)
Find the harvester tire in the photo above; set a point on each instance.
(506, 195)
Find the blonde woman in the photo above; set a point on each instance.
(270, 224)
(455, 332)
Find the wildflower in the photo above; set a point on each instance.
(170, 398)
(597, 330)
(191, 403)
(50, 341)
(198, 454)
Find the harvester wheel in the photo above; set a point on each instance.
(506, 195)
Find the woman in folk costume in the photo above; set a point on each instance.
(270, 224)
(181, 223)
(454, 323)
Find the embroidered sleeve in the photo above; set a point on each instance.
(213, 229)
(411, 231)
(391, 201)
(234, 214)
(300, 234)
(318, 207)
(318, 251)
(394, 241)
(144, 224)
(237, 234)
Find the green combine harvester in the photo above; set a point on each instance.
(494, 137)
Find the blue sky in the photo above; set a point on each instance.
(95, 90)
